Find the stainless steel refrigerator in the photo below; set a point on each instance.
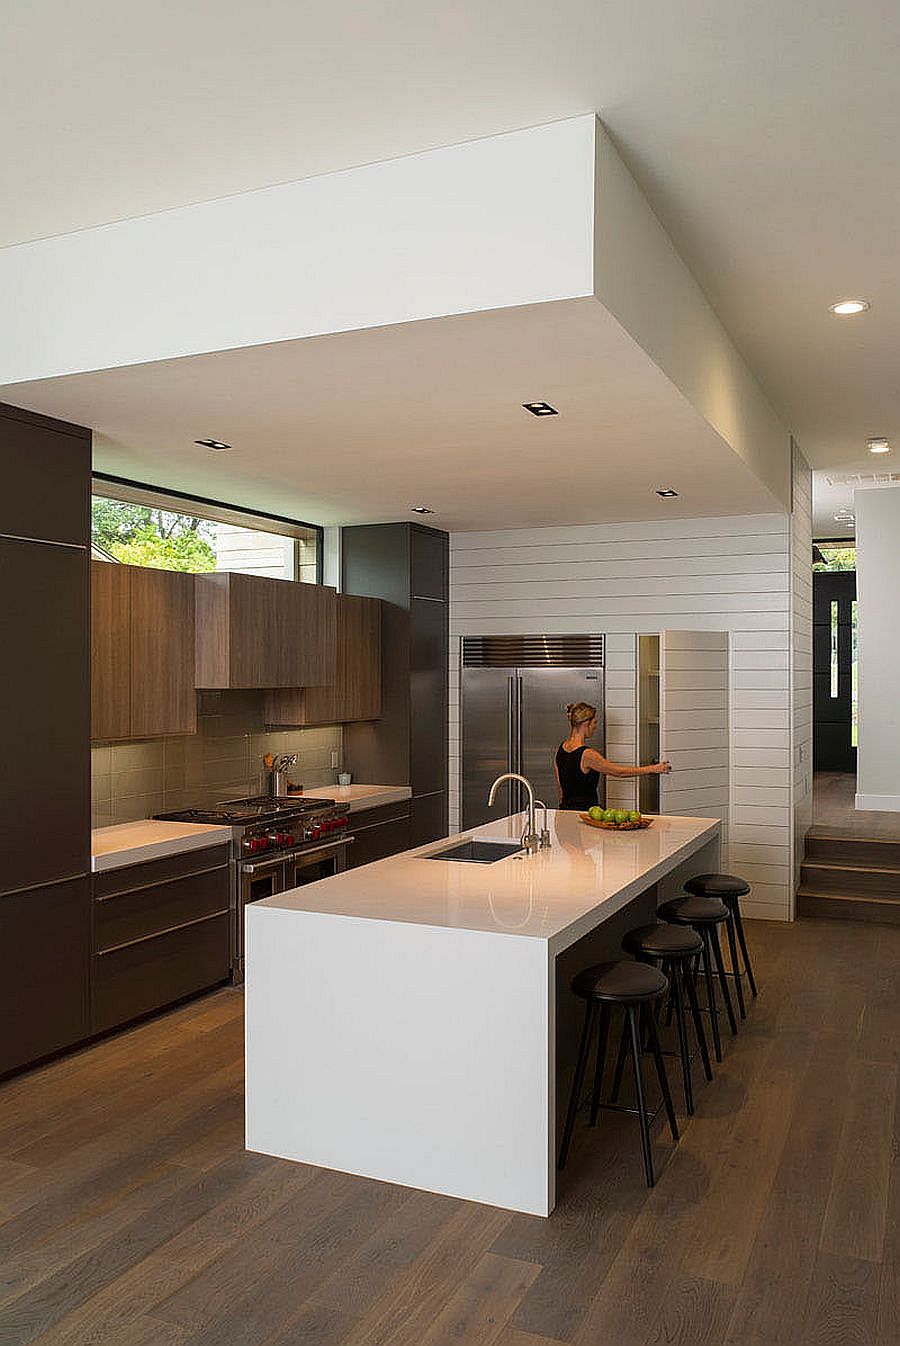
(513, 718)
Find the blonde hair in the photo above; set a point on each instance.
(580, 712)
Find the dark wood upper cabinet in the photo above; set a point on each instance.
(354, 692)
(45, 466)
(110, 651)
(142, 652)
(253, 631)
(406, 565)
(45, 814)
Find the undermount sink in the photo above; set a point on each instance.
(478, 852)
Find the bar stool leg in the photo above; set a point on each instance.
(620, 1062)
(723, 981)
(710, 994)
(590, 1011)
(738, 977)
(661, 1074)
(678, 994)
(635, 1033)
(602, 1038)
(742, 940)
(691, 988)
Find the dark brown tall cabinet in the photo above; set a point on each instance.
(44, 736)
(405, 565)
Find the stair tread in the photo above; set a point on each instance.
(879, 899)
(852, 840)
(851, 869)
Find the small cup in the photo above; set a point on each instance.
(344, 778)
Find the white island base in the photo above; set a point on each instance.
(401, 1018)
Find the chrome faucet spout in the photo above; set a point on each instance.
(530, 838)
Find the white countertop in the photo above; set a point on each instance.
(556, 895)
(359, 797)
(133, 843)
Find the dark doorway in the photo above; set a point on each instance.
(834, 670)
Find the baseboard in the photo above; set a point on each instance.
(878, 803)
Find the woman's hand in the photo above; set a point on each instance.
(663, 768)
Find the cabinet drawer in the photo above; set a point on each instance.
(150, 872)
(155, 908)
(384, 813)
(139, 978)
(375, 843)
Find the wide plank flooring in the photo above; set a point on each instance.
(130, 1215)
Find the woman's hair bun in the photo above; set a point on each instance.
(570, 706)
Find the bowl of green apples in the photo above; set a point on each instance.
(614, 820)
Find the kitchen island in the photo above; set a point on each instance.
(401, 1018)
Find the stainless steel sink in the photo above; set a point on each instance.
(477, 852)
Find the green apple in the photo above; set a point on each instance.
(621, 816)
(609, 815)
(597, 813)
(634, 817)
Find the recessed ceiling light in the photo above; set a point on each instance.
(878, 445)
(540, 408)
(666, 493)
(844, 307)
(421, 509)
(217, 444)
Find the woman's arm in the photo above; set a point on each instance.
(591, 760)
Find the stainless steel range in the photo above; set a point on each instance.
(277, 844)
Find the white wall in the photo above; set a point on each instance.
(641, 279)
(503, 221)
(731, 574)
(801, 651)
(878, 609)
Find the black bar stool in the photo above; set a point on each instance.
(674, 948)
(705, 915)
(636, 987)
(729, 888)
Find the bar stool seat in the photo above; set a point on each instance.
(717, 885)
(619, 982)
(705, 915)
(636, 988)
(730, 888)
(674, 948)
(694, 911)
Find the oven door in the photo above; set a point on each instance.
(316, 862)
(256, 879)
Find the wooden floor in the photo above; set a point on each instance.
(834, 813)
(131, 1216)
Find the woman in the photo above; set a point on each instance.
(579, 768)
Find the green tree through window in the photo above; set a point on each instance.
(140, 535)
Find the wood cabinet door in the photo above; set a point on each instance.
(163, 698)
(359, 658)
(305, 640)
(353, 691)
(110, 650)
(44, 971)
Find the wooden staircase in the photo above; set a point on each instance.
(850, 879)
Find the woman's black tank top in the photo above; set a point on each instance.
(579, 788)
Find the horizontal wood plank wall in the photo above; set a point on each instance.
(694, 724)
(729, 574)
(801, 623)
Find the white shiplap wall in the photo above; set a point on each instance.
(694, 724)
(728, 574)
(801, 652)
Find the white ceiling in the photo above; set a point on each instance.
(766, 136)
(364, 425)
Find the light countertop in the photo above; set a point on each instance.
(557, 895)
(133, 843)
(359, 797)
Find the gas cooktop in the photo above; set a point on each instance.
(241, 812)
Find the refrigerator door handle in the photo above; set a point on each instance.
(519, 799)
(512, 741)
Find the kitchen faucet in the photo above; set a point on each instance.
(531, 842)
